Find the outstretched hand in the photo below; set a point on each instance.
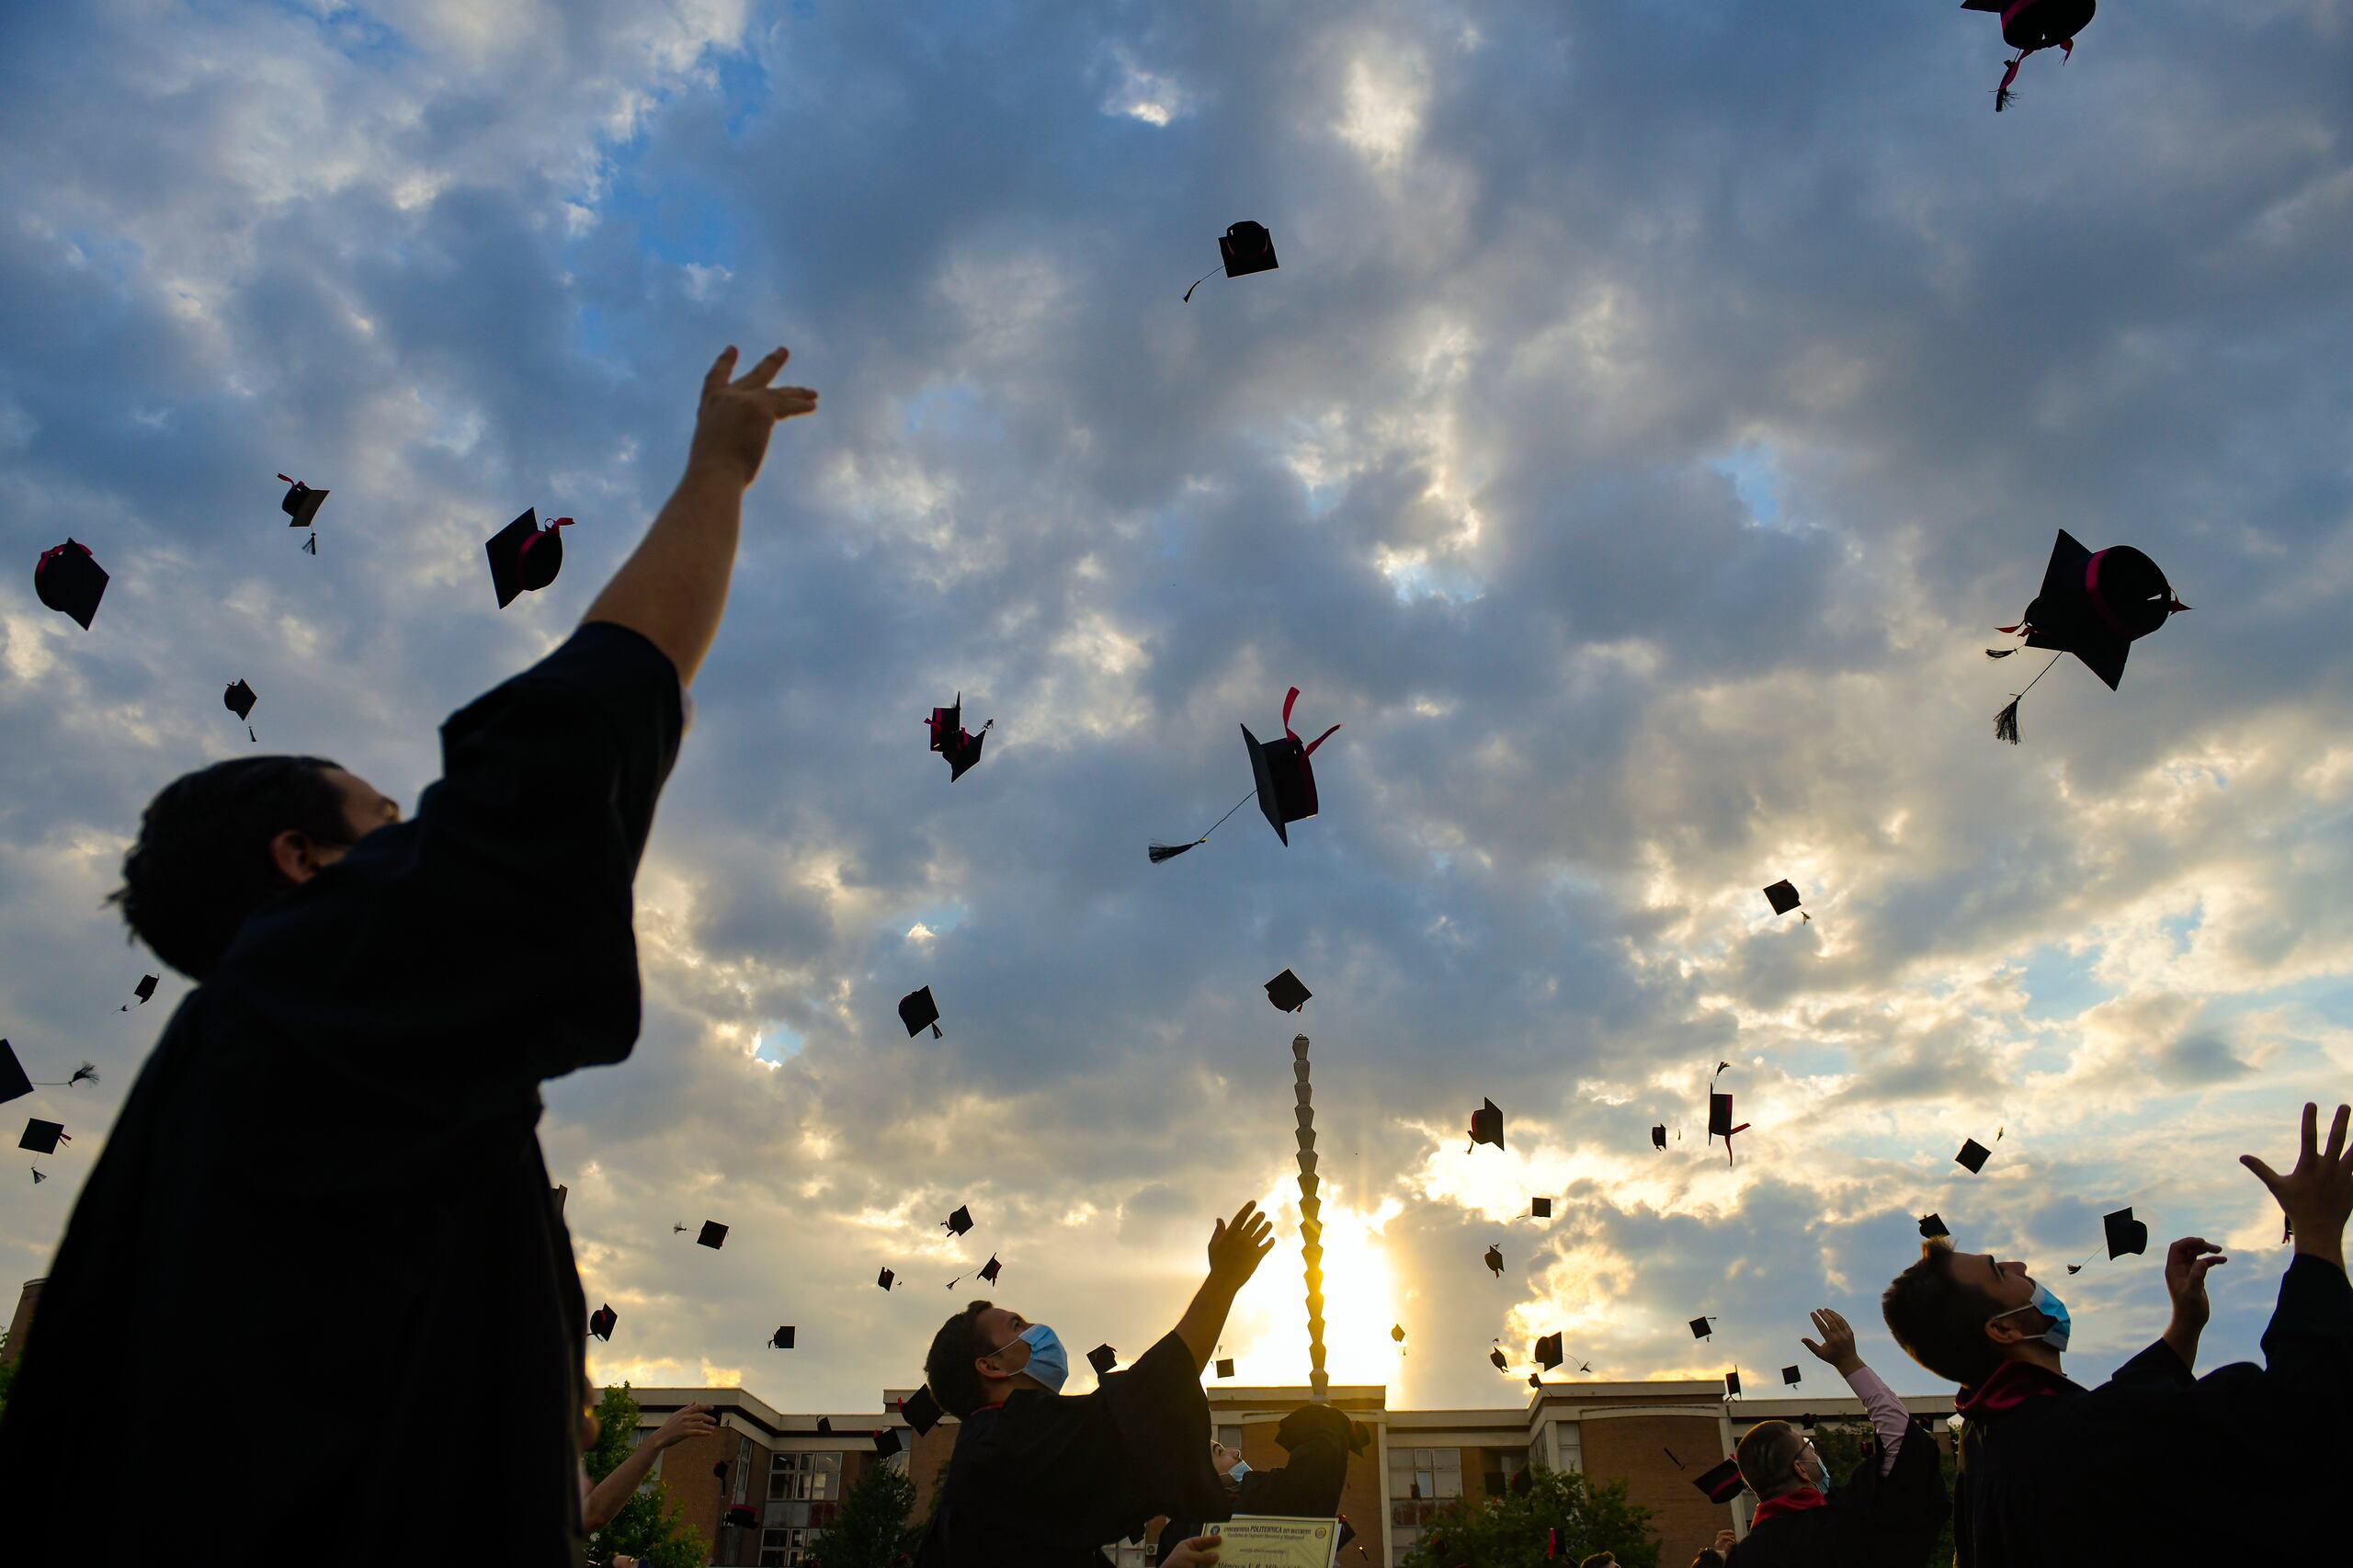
(689, 1421)
(732, 426)
(1838, 1346)
(2317, 1195)
(2186, 1262)
(1238, 1245)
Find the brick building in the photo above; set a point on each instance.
(1655, 1436)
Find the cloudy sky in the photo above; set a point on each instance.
(1656, 407)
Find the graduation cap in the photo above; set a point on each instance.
(1287, 994)
(886, 1442)
(1720, 1122)
(13, 1083)
(824, 1425)
(1783, 896)
(2124, 1234)
(525, 557)
(1972, 1154)
(922, 1411)
(1534, 1381)
(782, 1338)
(919, 1012)
(952, 740)
(1932, 1226)
(43, 1137)
(1790, 1376)
(1496, 1260)
(959, 1222)
(714, 1235)
(1700, 1329)
(1723, 1484)
(1487, 1126)
(239, 699)
(144, 990)
(1245, 248)
(1102, 1358)
(301, 505)
(1285, 782)
(2095, 604)
(1548, 1352)
(1226, 1367)
(69, 579)
(2029, 26)
(601, 1321)
(1732, 1384)
(1540, 1208)
(884, 1279)
(1497, 1358)
(1658, 1135)
(742, 1515)
(990, 1272)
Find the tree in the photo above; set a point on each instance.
(650, 1527)
(871, 1529)
(1841, 1448)
(1509, 1531)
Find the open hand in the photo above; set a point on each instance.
(1726, 1540)
(693, 1421)
(2317, 1195)
(732, 426)
(1237, 1246)
(1838, 1346)
(2186, 1262)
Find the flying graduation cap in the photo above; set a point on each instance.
(1487, 1127)
(1723, 1484)
(68, 579)
(952, 740)
(1701, 1329)
(601, 1321)
(959, 1222)
(1732, 1383)
(239, 699)
(1285, 782)
(782, 1338)
(1972, 1156)
(1932, 1226)
(15, 1083)
(990, 1272)
(1548, 1352)
(1720, 1122)
(144, 990)
(1226, 1367)
(1790, 1376)
(919, 1012)
(1539, 1207)
(2029, 26)
(922, 1411)
(1102, 1358)
(1245, 248)
(1496, 1260)
(302, 506)
(2124, 1234)
(2095, 604)
(714, 1235)
(884, 1279)
(43, 1137)
(1658, 1135)
(525, 557)
(1783, 896)
(886, 1442)
(1287, 994)
(1497, 1358)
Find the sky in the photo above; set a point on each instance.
(1656, 407)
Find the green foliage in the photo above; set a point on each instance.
(1841, 1448)
(649, 1526)
(1509, 1532)
(871, 1528)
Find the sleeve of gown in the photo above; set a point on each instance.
(1308, 1486)
(1163, 1420)
(1890, 1420)
(2158, 1365)
(2308, 1360)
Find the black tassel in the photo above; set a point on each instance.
(1170, 851)
(311, 545)
(1197, 283)
(87, 1074)
(1999, 652)
(251, 736)
(2006, 723)
(39, 1179)
(936, 1034)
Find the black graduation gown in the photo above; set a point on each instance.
(1870, 1521)
(318, 1262)
(1308, 1486)
(2157, 1467)
(1046, 1480)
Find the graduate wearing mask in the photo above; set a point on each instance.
(2156, 1465)
(1044, 1479)
(1316, 1441)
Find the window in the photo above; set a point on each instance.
(743, 1469)
(1422, 1483)
(785, 1547)
(1502, 1465)
(804, 1478)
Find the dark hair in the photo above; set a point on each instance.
(1940, 1319)
(1767, 1458)
(948, 1367)
(202, 861)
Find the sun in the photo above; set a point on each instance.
(1266, 1334)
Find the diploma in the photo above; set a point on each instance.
(1266, 1542)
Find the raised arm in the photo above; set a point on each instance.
(673, 589)
(1889, 1419)
(623, 1481)
(1236, 1248)
(2186, 1262)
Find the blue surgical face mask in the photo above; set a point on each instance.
(1821, 1485)
(2050, 1307)
(1049, 1362)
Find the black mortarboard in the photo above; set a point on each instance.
(990, 1271)
(742, 1515)
(1720, 1121)
(1226, 1367)
(1539, 1207)
(1488, 1125)
(69, 579)
(525, 556)
(1972, 1154)
(2095, 604)
(1496, 1260)
(824, 1425)
(959, 1222)
(2125, 1234)
(1731, 1385)
(1397, 1332)
(1102, 1358)
(1283, 783)
(782, 1338)
(601, 1321)
(1932, 1226)
(41, 1136)
(144, 990)
(1287, 994)
(886, 1442)
(239, 699)
(1497, 1358)
(922, 1411)
(1700, 1329)
(952, 740)
(14, 1081)
(714, 1234)
(919, 1012)
(2032, 24)
(1245, 248)
(1723, 1484)
(1782, 896)
(883, 1279)
(302, 503)
(1548, 1352)
(1658, 1135)
(1535, 1380)
(1790, 1375)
